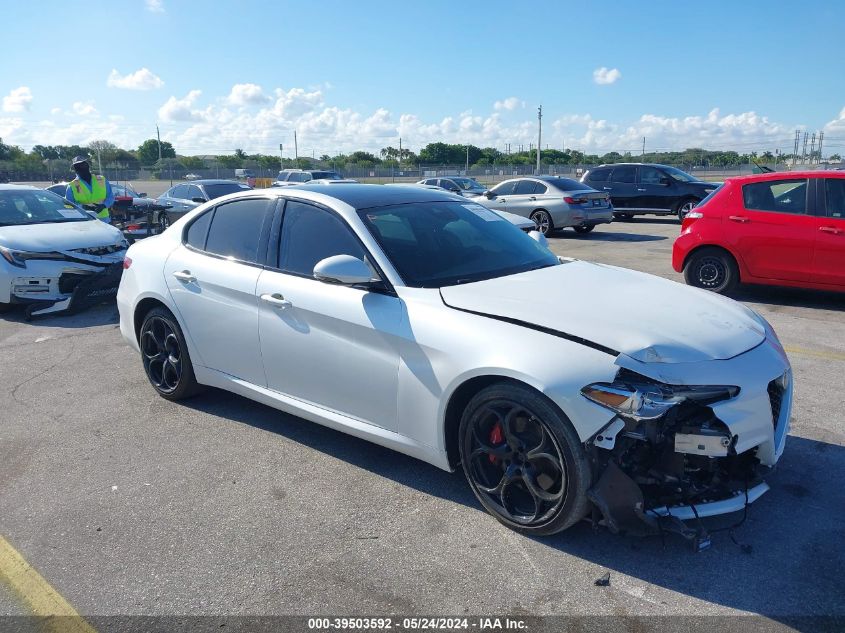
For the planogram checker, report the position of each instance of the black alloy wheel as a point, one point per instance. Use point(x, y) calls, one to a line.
point(712, 269)
point(684, 207)
point(523, 460)
point(543, 221)
point(165, 356)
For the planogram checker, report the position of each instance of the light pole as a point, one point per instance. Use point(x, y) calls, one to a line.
point(466, 172)
point(539, 135)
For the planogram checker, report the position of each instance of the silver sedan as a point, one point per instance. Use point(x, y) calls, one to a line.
point(552, 202)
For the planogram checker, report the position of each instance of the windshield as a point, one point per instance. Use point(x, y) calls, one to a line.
point(468, 183)
point(25, 206)
point(124, 190)
point(435, 244)
point(679, 175)
point(325, 175)
point(224, 188)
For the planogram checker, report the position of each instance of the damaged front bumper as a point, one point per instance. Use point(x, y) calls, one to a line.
point(65, 286)
point(695, 458)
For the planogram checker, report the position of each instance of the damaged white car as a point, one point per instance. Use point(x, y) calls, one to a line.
point(54, 256)
point(565, 389)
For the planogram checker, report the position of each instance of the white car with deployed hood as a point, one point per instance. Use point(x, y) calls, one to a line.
point(429, 324)
point(54, 256)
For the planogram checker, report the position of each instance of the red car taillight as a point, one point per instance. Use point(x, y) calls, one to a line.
point(569, 200)
point(127, 262)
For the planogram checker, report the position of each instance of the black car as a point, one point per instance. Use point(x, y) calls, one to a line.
point(640, 188)
point(189, 195)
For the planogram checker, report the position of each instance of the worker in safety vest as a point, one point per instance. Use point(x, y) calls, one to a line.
point(87, 189)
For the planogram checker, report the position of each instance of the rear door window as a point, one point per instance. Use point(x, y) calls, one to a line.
point(624, 174)
point(236, 229)
point(779, 196)
point(834, 191)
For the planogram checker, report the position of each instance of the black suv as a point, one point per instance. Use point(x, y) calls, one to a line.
point(639, 188)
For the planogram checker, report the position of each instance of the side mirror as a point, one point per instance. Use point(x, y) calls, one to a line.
point(142, 195)
point(489, 194)
point(539, 238)
point(343, 269)
point(199, 200)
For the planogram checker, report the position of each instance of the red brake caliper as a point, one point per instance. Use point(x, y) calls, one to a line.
point(496, 438)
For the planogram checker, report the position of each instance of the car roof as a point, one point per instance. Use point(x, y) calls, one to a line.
point(637, 164)
point(210, 181)
point(781, 175)
point(364, 196)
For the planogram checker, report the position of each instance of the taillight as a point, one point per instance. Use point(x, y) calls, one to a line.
point(132, 227)
point(127, 262)
point(569, 200)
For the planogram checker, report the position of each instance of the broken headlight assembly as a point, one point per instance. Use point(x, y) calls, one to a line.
point(19, 258)
point(636, 398)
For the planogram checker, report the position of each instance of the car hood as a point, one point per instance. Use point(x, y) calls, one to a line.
point(648, 318)
point(60, 236)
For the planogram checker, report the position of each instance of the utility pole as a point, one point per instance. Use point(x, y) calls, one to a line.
point(812, 147)
point(539, 135)
point(795, 150)
point(821, 138)
point(158, 136)
point(466, 173)
point(804, 151)
point(643, 146)
point(400, 152)
point(281, 157)
point(295, 146)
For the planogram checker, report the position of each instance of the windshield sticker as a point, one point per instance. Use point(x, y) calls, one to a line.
point(482, 212)
point(70, 213)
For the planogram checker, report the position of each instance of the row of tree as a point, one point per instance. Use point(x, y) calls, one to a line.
point(53, 161)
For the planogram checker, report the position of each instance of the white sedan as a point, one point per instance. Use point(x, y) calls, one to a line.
point(54, 256)
point(430, 325)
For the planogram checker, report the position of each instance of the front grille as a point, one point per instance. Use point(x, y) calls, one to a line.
point(69, 281)
point(101, 250)
point(776, 391)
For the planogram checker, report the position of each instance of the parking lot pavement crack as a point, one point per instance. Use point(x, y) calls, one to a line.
point(17, 387)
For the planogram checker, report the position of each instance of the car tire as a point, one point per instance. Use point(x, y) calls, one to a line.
point(584, 229)
point(523, 460)
point(622, 216)
point(165, 356)
point(712, 268)
point(543, 221)
point(685, 206)
point(163, 222)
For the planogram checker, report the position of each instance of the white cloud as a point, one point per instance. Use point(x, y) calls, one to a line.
point(55, 111)
point(84, 108)
point(142, 79)
point(154, 6)
point(247, 94)
point(180, 109)
point(511, 103)
point(837, 124)
point(18, 100)
point(604, 76)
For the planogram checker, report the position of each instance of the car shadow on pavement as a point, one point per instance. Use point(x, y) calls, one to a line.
point(607, 236)
point(796, 297)
point(650, 219)
point(104, 314)
point(784, 560)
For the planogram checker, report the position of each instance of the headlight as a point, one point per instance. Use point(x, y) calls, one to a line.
point(637, 398)
point(19, 258)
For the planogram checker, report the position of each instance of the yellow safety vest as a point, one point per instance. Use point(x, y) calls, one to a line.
point(96, 195)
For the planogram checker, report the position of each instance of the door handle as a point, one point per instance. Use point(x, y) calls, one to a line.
point(276, 300)
point(185, 275)
point(739, 218)
point(830, 229)
point(608, 188)
point(502, 200)
point(532, 198)
point(640, 189)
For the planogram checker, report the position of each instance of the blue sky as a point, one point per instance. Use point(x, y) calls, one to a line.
point(347, 75)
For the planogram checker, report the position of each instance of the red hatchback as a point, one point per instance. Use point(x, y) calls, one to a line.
point(782, 228)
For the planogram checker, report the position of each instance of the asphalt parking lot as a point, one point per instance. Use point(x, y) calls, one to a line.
point(128, 504)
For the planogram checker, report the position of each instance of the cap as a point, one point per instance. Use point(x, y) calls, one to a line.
point(79, 159)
